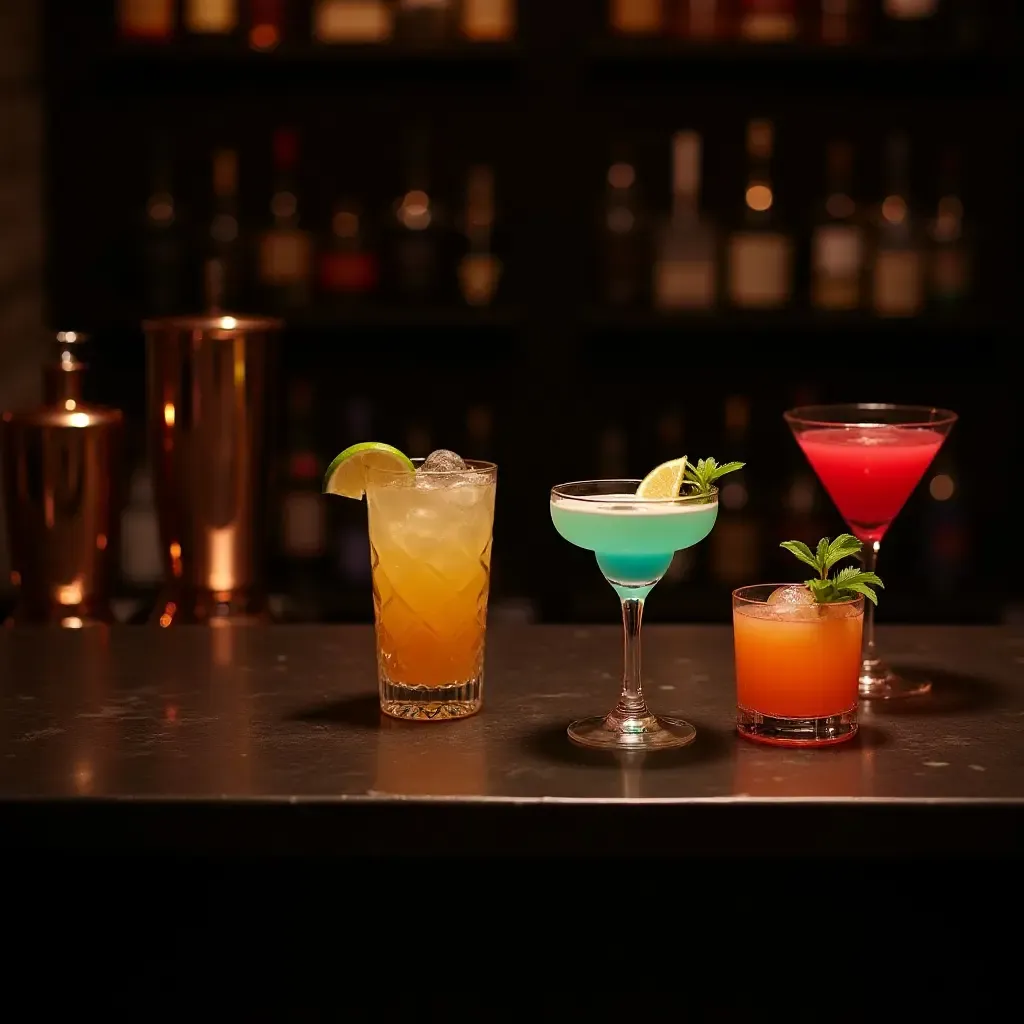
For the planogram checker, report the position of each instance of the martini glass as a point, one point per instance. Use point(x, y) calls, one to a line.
point(870, 458)
point(634, 540)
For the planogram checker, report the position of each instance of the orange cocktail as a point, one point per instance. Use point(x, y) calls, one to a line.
point(797, 667)
point(430, 549)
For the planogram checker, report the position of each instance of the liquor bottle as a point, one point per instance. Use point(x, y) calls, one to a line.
point(424, 22)
point(699, 21)
point(840, 22)
point(768, 21)
point(898, 274)
point(150, 21)
point(636, 17)
point(303, 509)
point(210, 17)
point(353, 21)
point(416, 243)
point(479, 269)
point(285, 252)
point(735, 551)
point(222, 271)
point(949, 276)
point(623, 238)
point(686, 266)
point(164, 249)
point(266, 24)
point(837, 242)
point(760, 252)
point(487, 21)
point(349, 268)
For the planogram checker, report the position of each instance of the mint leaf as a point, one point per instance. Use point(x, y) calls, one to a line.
point(842, 547)
point(802, 551)
point(728, 467)
point(705, 472)
point(846, 583)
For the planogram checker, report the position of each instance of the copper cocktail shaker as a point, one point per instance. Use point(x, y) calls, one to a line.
point(61, 478)
point(208, 409)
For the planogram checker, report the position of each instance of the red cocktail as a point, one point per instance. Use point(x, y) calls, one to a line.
point(870, 458)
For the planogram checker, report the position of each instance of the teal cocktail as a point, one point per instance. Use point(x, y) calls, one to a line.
point(634, 540)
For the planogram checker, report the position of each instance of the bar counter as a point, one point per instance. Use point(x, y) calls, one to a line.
point(270, 740)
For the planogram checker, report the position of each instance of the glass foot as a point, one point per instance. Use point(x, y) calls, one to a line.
point(879, 682)
point(796, 732)
point(647, 733)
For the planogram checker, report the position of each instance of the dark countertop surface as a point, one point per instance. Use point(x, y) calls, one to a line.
point(271, 739)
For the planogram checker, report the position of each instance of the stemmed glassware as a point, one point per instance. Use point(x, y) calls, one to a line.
point(634, 540)
point(869, 458)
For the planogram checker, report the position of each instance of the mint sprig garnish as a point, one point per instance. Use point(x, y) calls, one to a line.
point(706, 472)
point(846, 582)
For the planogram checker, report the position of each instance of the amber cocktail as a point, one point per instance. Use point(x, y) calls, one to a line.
point(430, 551)
point(797, 667)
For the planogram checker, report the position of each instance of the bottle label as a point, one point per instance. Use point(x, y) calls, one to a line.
point(147, 19)
point(478, 278)
point(909, 10)
point(348, 272)
point(838, 250)
point(768, 21)
point(636, 17)
point(487, 20)
point(760, 270)
point(684, 284)
point(211, 17)
point(898, 286)
point(284, 257)
point(304, 524)
point(353, 21)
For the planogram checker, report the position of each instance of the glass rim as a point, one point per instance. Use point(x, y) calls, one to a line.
point(818, 415)
point(738, 593)
point(557, 493)
point(474, 468)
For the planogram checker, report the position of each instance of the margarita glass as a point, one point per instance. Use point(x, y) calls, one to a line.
point(634, 540)
point(870, 458)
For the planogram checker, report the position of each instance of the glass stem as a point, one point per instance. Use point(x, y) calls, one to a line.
point(631, 701)
point(869, 559)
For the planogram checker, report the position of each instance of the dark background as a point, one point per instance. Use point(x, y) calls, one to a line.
point(548, 380)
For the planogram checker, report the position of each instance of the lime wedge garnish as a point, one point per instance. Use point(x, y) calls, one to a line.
point(346, 475)
point(664, 481)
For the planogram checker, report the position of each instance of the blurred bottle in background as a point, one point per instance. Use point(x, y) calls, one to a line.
point(898, 273)
point(686, 265)
point(286, 250)
point(479, 268)
point(760, 249)
point(224, 267)
point(837, 243)
point(626, 256)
